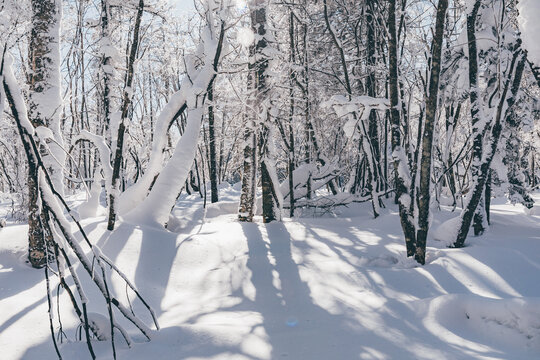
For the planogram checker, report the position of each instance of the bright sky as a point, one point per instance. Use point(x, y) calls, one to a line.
point(187, 5)
point(183, 5)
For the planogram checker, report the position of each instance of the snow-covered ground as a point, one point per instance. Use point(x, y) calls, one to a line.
point(313, 288)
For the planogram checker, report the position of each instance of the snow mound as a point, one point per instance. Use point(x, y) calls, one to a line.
point(90, 208)
point(382, 261)
point(447, 231)
point(100, 326)
point(222, 208)
point(465, 318)
point(535, 210)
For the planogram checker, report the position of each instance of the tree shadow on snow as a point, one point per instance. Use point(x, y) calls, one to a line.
point(292, 323)
point(296, 327)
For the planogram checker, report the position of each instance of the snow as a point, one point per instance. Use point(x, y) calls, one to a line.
point(100, 326)
point(104, 155)
point(447, 232)
point(245, 36)
point(46, 102)
point(91, 207)
point(156, 206)
point(529, 13)
point(189, 95)
point(15, 91)
point(312, 288)
point(136, 193)
point(343, 106)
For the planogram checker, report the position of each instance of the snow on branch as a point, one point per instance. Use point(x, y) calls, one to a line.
point(155, 207)
point(343, 106)
point(529, 14)
point(61, 236)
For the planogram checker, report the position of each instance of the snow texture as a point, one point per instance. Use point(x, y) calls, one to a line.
point(189, 95)
point(46, 104)
point(156, 206)
point(90, 208)
point(312, 288)
point(447, 231)
point(529, 24)
point(15, 91)
point(100, 326)
point(245, 36)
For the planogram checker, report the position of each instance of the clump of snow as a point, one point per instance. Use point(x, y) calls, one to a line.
point(529, 24)
point(466, 320)
point(222, 208)
point(343, 106)
point(535, 210)
point(447, 231)
point(91, 206)
point(44, 133)
point(16, 93)
point(100, 326)
point(245, 36)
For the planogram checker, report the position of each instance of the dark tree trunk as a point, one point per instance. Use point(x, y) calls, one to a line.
point(36, 235)
point(402, 191)
point(105, 67)
point(126, 102)
point(292, 77)
point(478, 216)
point(268, 206)
point(424, 193)
point(487, 199)
point(533, 170)
point(483, 167)
point(451, 120)
point(374, 171)
point(212, 148)
point(512, 159)
point(371, 84)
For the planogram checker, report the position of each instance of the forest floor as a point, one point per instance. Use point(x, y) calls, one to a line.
point(336, 286)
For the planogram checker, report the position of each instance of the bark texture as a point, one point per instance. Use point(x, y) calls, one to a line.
point(424, 193)
point(44, 108)
point(399, 160)
point(484, 150)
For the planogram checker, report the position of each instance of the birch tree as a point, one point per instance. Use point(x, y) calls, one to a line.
point(44, 110)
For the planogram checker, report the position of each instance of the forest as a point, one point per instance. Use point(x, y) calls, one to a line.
point(260, 179)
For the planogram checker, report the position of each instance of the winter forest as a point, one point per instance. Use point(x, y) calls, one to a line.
point(269, 179)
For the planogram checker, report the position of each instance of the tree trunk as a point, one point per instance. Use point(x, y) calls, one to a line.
point(292, 77)
point(247, 197)
point(126, 102)
point(483, 165)
point(371, 86)
point(44, 109)
point(106, 70)
point(262, 103)
point(212, 148)
point(399, 158)
point(424, 193)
